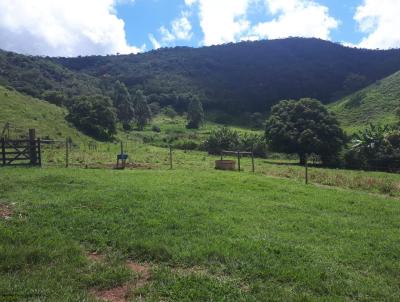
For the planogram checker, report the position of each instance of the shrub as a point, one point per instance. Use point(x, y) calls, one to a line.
point(186, 145)
point(375, 148)
point(254, 143)
point(228, 139)
point(170, 112)
point(222, 139)
point(156, 129)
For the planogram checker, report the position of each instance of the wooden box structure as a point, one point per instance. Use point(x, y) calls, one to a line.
point(227, 165)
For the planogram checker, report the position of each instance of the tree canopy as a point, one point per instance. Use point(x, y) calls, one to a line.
point(142, 110)
point(195, 114)
point(94, 115)
point(123, 103)
point(304, 127)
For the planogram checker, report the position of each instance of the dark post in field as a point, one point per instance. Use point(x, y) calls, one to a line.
point(170, 157)
point(66, 153)
point(3, 150)
point(252, 161)
point(238, 156)
point(306, 167)
point(32, 147)
point(39, 152)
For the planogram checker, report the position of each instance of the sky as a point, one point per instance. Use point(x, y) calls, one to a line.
point(100, 27)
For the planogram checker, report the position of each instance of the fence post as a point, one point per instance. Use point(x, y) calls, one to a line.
point(3, 150)
point(66, 153)
point(39, 149)
point(32, 147)
point(306, 166)
point(252, 161)
point(238, 156)
point(170, 157)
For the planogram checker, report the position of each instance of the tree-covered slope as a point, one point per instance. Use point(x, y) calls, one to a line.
point(374, 104)
point(24, 112)
point(40, 77)
point(248, 76)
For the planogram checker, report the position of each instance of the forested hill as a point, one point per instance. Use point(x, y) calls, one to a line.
point(42, 78)
point(247, 76)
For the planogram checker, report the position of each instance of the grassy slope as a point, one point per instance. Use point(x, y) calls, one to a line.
point(24, 112)
point(175, 128)
point(374, 104)
point(255, 238)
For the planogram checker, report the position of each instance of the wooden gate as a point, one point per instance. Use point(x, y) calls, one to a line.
point(21, 152)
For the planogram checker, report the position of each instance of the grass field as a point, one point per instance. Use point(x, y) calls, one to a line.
point(374, 104)
point(206, 236)
point(24, 112)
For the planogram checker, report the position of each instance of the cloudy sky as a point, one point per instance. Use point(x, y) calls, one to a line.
point(84, 27)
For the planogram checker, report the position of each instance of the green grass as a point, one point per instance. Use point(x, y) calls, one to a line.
point(174, 132)
point(24, 112)
point(374, 104)
point(255, 238)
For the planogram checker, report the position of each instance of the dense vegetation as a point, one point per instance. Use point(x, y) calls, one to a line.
point(375, 148)
point(245, 77)
point(304, 127)
point(249, 76)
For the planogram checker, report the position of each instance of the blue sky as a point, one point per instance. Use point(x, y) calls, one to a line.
point(87, 27)
point(143, 17)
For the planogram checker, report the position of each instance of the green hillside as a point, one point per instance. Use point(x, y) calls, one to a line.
point(374, 104)
point(24, 112)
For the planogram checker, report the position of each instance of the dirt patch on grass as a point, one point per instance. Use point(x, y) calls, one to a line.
point(143, 270)
point(5, 211)
point(95, 257)
point(124, 292)
point(117, 294)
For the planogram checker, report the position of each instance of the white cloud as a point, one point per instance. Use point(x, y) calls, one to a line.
point(227, 20)
point(154, 41)
point(180, 29)
point(62, 27)
point(222, 21)
point(380, 20)
point(297, 18)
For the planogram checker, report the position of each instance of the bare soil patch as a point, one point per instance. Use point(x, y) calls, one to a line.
point(95, 257)
point(5, 211)
point(124, 292)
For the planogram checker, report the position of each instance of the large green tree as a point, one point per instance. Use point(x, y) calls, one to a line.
point(304, 127)
point(142, 110)
point(123, 103)
point(195, 114)
point(94, 115)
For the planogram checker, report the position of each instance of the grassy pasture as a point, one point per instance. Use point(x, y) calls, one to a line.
point(208, 236)
point(375, 104)
point(153, 157)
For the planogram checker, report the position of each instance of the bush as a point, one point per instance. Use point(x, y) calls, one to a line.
point(254, 143)
point(375, 148)
point(186, 145)
point(155, 129)
point(170, 112)
point(127, 126)
point(222, 139)
point(94, 115)
point(228, 139)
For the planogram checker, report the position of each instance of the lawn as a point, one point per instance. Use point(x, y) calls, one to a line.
point(206, 236)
